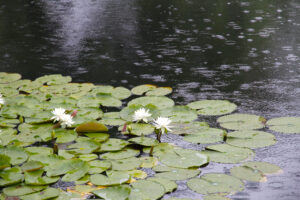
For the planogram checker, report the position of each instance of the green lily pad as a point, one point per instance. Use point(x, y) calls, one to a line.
point(126, 164)
point(91, 127)
point(174, 198)
point(141, 89)
point(159, 91)
point(224, 153)
point(144, 141)
point(206, 136)
point(98, 137)
point(10, 176)
point(9, 77)
point(118, 92)
point(19, 190)
point(88, 157)
point(65, 136)
point(45, 194)
point(99, 166)
point(179, 114)
point(148, 162)
point(138, 129)
point(121, 192)
point(148, 189)
point(36, 178)
point(184, 158)
point(176, 174)
point(213, 107)
point(248, 174)
point(124, 153)
point(116, 178)
point(169, 186)
point(17, 155)
point(80, 169)
point(112, 122)
point(4, 161)
point(250, 139)
point(32, 166)
point(84, 145)
point(284, 124)
point(108, 100)
point(264, 167)
point(214, 183)
point(38, 150)
point(53, 79)
point(242, 122)
point(158, 101)
point(114, 144)
point(189, 127)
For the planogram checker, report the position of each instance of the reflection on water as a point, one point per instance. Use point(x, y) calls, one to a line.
point(244, 51)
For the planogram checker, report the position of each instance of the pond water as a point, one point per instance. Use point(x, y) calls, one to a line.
point(246, 51)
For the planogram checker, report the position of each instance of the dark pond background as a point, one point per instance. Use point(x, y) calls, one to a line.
point(246, 51)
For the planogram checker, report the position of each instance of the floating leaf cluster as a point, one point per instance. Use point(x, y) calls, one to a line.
point(106, 153)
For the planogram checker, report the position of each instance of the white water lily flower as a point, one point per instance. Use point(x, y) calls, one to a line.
point(163, 123)
point(58, 114)
point(141, 114)
point(66, 120)
point(2, 101)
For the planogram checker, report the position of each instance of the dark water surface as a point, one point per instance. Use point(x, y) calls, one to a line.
point(246, 51)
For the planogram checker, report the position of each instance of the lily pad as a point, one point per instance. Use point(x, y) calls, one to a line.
point(248, 174)
point(242, 122)
point(10, 176)
point(116, 178)
point(32, 166)
point(126, 164)
point(9, 77)
point(124, 153)
point(65, 136)
point(114, 144)
point(121, 192)
point(99, 166)
point(159, 91)
point(138, 129)
point(264, 167)
point(141, 89)
point(144, 141)
point(224, 153)
point(285, 124)
point(213, 107)
point(158, 101)
point(176, 174)
point(189, 127)
point(45, 194)
point(148, 162)
point(84, 146)
point(17, 155)
point(169, 186)
point(250, 139)
point(179, 114)
point(91, 127)
point(148, 189)
point(98, 137)
point(4, 161)
point(53, 79)
point(206, 136)
point(184, 158)
point(19, 190)
point(36, 178)
point(214, 183)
